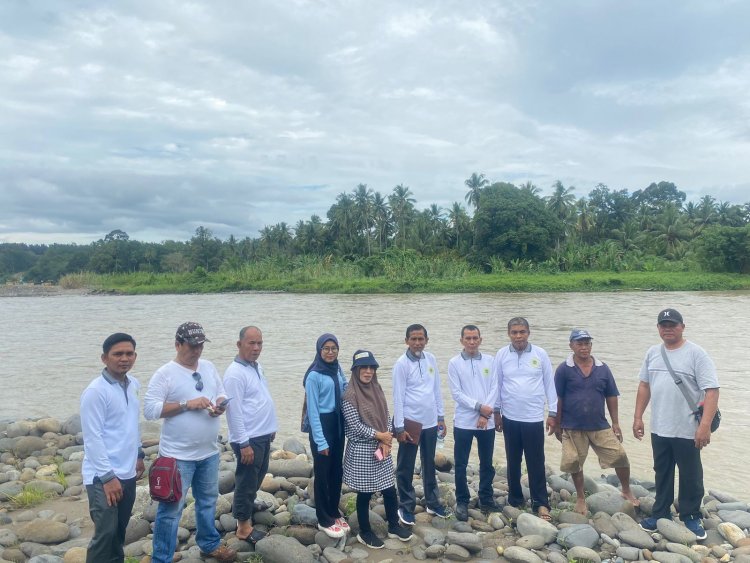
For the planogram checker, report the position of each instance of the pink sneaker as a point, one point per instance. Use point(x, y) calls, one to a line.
point(343, 524)
point(333, 531)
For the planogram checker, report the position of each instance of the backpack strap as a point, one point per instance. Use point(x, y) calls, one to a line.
point(678, 382)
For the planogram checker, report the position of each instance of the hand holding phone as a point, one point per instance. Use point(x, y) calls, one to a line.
point(379, 454)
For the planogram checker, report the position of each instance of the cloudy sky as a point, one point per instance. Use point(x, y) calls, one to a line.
point(157, 117)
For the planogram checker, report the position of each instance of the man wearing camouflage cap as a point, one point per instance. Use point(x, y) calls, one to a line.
point(188, 393)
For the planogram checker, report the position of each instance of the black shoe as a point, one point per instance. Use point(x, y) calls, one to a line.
point(370, 540)
point(487, 507)
point(399, 533)
point(462, 512)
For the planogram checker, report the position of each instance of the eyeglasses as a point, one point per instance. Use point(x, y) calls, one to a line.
point(198, 381)
point(329, 350)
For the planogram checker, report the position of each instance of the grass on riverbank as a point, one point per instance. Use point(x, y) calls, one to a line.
point(337, 279)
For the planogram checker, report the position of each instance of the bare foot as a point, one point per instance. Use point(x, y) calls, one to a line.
point(244, 529)
point(581, 507)
point(628, 496)
point(544, 514)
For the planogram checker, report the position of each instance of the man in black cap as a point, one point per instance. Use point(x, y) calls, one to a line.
point(584, 385)
point(676, 435)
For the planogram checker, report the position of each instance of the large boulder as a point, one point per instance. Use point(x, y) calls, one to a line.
point(27, 445)
point(578, 535)
point(72, 425)
point(281, 549)
point(290, 468)
point(44, 531)
point(48, 425)
point(529, 524)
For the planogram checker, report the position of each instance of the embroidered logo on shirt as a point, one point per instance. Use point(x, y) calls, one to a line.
point(431, 370)
point(486, 372)
point(535, 363)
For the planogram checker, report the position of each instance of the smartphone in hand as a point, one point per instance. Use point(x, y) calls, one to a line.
point(379, 454)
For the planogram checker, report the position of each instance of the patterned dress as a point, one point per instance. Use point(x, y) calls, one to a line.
point(362, 472)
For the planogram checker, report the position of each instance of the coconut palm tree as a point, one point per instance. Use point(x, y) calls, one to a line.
point(402, 208)
point(475, 183)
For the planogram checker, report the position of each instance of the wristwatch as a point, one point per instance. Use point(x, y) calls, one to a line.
point(183, 405)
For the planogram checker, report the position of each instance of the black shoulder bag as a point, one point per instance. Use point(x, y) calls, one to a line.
point(697, 410)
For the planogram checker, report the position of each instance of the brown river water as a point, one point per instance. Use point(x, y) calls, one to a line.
point(51, 347)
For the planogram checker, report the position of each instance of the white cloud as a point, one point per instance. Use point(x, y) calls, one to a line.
point(287, 105)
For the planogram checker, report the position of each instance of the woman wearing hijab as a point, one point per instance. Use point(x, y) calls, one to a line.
point(324, 385)
point(368, 466)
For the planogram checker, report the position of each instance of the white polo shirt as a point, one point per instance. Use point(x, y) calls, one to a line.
point(251, 412)
point(472, 385)
point(416, 391)
point(525, 381)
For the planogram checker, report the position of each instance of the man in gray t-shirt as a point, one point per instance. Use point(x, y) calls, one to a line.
point(676, 436)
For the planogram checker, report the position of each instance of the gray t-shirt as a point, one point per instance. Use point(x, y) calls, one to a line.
point(670, 414)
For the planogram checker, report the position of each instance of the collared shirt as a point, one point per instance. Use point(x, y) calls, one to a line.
point(109, 421)
point(251, 412)
point(472, 385)
point(416, 391)
point(192, 435)
point(525, 382)
point(584, 396)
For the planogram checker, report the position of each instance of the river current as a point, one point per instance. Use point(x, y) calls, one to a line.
point(51, 347)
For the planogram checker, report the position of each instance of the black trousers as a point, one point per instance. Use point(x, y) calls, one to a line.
point(681, 452)
point(329, 470)
point(405, 461)
point(391, 509)
point(247, 478)
point(110, 522)
point(525, 439)
point(462, 439)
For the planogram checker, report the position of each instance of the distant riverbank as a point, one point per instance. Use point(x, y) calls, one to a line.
point(334, 281)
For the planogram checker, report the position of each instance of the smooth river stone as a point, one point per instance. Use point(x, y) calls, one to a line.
point(578, 535)
point(675, 532)
point(581, 553)
point(528, 524)
point(622, 522)
point(731, 532)
point(516, 554)
point(739, 517)
point(44, 531)
point(281, 549)
point(669, 557)
point(637, 538)
point(682, 549)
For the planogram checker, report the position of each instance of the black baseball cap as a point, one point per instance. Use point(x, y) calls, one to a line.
point(669, 316)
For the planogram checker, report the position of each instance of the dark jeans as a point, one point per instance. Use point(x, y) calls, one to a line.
point(247, 478)
point(407, 457)
point(328, 470)
point(682, 452)
point(462, 439)
point(525, 439)
point(110, 522)
point(391, 509)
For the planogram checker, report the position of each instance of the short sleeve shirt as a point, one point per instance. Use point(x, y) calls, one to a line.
point(584, 398)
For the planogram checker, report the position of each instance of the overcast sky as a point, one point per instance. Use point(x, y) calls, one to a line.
point(156, 117)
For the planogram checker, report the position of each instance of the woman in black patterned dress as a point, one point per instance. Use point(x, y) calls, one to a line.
point(368, 467)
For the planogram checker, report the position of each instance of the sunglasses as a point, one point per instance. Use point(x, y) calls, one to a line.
point(198, 381)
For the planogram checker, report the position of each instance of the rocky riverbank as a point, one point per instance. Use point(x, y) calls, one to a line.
point(44, 457)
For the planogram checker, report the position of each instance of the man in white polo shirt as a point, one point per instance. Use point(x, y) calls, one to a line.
point(417, 401)
point(112, 461)
point(525, 382)
point(188, 394)
point(251, 417)
point(475, 390)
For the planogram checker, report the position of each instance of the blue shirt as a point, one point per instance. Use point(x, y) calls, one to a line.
point(583, 397)
point(321, 399)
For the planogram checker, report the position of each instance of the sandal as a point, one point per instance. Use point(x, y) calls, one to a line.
point(544, 514)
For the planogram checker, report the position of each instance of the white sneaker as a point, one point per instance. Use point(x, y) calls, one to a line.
point(333, 531)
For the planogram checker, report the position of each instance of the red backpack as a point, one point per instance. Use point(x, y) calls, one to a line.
point(164, 481)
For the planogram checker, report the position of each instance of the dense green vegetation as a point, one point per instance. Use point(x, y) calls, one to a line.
point(372, 242)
